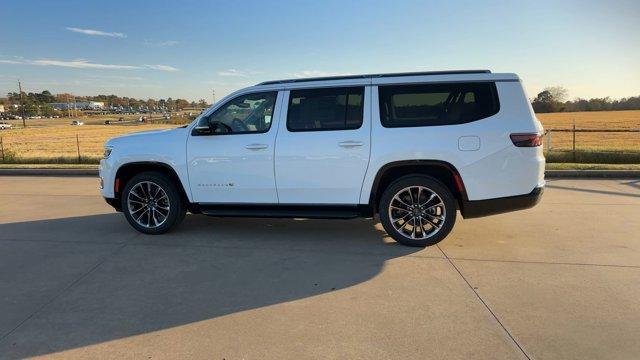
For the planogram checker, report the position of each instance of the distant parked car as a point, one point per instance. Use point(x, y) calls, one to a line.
point(4, 126)
point(107, 122)
point(77, 123)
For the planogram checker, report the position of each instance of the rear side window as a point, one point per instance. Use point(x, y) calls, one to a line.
point(437, 104)
point(325, 109)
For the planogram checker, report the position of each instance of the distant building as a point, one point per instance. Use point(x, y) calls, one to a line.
point(1, 108)
point(80, 105)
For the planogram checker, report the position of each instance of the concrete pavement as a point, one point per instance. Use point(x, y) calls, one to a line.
point(561, 280)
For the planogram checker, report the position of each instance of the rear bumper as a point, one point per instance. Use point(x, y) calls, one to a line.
point(114, 202)
point(479, 208)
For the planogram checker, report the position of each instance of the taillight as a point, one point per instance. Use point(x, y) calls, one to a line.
point(526, 140)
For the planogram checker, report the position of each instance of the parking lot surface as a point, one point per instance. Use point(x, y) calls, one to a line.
point(559, 281)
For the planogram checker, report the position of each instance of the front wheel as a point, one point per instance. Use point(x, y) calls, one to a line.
point(152, 204)
point(417, 211)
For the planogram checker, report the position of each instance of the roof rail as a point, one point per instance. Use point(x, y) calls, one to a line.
point(366, 76)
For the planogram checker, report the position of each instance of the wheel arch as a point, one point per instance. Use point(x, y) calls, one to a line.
point(440, 170)
point(128, 170)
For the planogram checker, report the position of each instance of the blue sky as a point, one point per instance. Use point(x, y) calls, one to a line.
point(187, 48)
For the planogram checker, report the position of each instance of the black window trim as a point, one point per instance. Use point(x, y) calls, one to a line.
point(275, 103)
point(494, 93)
point(364, 89)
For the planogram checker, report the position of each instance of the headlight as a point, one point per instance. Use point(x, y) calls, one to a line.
point(107, 152)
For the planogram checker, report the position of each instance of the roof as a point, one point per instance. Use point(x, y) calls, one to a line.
point(346, 77)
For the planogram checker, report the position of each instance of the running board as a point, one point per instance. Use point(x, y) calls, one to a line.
point(283, 211)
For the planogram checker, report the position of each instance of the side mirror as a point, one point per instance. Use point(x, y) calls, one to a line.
point(202, 130)
point(211, 128)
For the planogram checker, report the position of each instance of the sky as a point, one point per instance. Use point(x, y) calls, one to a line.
point(187, 49)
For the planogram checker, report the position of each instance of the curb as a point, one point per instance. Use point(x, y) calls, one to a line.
point(592, 174)
point(49, 172)
point(549, 174)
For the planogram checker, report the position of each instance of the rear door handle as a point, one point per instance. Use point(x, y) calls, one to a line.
point(350, 143)
point(256, 146)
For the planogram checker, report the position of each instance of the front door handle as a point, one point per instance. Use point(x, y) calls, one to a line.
point(350, 143)
point(256, 146)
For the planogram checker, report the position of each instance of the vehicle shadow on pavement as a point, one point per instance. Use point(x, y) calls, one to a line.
point(74, 282)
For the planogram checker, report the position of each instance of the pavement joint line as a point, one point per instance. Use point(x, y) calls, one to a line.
point(485, 304)
point(64, 290)
point(547, 263)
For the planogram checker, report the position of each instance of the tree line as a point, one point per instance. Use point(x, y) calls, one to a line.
point(553, 99)
point(38, 103)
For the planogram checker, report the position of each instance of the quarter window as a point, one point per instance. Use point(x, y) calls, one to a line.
point(325, 109)
point(436, 104)
point(244, 114)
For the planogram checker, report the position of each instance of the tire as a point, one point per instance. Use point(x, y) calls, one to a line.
point(156, 214)
point(398, 203)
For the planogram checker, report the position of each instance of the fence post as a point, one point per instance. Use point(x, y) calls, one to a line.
point(78, 147)
point(549, 132)
point(574, 140)
point(2, 148)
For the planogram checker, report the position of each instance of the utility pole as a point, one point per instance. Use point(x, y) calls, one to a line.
point(213, 94)
point(68, 106)
point(24, 123)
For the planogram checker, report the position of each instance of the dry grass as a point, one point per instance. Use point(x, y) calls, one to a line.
point(59, 141)
point(594, 120)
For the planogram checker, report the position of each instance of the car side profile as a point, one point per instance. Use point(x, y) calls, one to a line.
point(411, 148)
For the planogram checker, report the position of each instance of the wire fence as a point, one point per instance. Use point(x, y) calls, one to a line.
point(86, 145)
point(575, 139)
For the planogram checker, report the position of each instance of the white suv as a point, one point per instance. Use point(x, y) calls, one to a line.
point(413, 148)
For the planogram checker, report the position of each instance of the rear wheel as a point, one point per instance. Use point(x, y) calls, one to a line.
point(152, 203)
point(417, 211)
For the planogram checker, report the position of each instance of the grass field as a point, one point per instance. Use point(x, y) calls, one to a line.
point(54, 140)
point(57, 143)
point(594, 120)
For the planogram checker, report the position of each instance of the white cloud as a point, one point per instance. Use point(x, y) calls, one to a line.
point(232, 72)
point(80, 64)
point(161, 43)
point(85, 64)
point(97, 32)
point(315, 73)
point(161, 67)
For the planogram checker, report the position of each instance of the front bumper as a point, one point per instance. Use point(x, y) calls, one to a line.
point(479, 208)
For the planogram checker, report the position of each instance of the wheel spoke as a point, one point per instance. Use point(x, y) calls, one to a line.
point(402, 218)
point(138, 209)
point(432, 206)
point(433, 196)
point(153, 215)
point(413, 231)
point(141, 214)
point(397, 198)
point(397, 208)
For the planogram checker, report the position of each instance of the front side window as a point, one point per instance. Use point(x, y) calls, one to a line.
point(251, 113)
point(325, 109)
point(436, 104)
